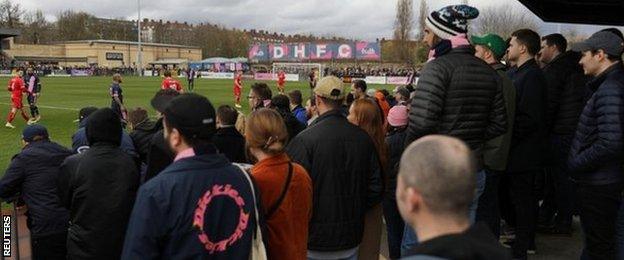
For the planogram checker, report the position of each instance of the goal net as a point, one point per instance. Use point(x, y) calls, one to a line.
point(301, 69)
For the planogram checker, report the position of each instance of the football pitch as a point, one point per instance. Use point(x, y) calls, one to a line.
point(62, 97)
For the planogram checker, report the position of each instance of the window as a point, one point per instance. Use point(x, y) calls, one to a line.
point(113, 47)
point(166, 50)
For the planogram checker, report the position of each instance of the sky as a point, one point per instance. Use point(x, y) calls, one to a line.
point(357, 19)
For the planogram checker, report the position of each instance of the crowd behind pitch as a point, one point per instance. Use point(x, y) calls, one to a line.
point(479, 154)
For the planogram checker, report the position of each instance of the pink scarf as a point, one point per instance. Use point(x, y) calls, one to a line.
point(456, 41)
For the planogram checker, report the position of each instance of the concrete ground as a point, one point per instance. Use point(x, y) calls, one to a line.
point(548, 247)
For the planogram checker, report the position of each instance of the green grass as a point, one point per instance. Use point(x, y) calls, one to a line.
point(62, 98)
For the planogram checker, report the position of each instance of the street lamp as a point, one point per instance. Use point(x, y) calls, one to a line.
point(139, 51)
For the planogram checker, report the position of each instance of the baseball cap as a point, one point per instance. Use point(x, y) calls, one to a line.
point(494, 42)
point(193, 115)
point(162, 99)
point(31, 131)
point(330, 87)
point(85, 112)
point(604, 40)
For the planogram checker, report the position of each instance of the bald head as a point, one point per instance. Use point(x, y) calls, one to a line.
point(443, 170)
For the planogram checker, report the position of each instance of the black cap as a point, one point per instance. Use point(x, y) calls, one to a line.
point(31, 131)
point(85, 112)
point(162, 99)
point(607, 41)
point(193, 115)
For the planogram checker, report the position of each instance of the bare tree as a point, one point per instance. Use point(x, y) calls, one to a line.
point(423, 12)
point(37, 29)
point(503, 20)
point(403, 30)
point(10, 14)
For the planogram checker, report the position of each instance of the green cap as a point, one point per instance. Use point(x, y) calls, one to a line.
point(494, 42)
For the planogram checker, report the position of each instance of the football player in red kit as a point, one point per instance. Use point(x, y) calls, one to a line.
point(16, 86)
point(171, 83)
point(281, 81)
point(238, 88)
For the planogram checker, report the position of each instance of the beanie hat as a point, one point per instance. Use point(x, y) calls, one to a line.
point(31, 131)
point(103, 126)
point(451, 20)
point(398, 116)
point(192, 115)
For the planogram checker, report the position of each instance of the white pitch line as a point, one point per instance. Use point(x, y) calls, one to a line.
point(43, 106)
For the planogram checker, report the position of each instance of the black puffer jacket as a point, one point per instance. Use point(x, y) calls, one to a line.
point(529, 134)
point(461, 96)
point(566, 89)
point(346, 176)
point(596, 154)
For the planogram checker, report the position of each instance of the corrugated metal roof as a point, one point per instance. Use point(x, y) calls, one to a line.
point(132, 43)
point(603, 12)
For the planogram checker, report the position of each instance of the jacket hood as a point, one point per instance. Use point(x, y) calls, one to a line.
point(103, 126)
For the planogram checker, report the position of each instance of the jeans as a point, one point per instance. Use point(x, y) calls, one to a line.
point(599, 205)
point(488, 210)
point(409, 235)
point(394, 225)
point(49, 246)
point(521, 190)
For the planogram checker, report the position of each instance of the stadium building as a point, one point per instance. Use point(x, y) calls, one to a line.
point(102, 53)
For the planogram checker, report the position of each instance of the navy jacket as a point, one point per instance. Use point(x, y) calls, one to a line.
point(34, 173)
point(193, 202)
point(530, 125)
point(596, 153)
point(80, 143)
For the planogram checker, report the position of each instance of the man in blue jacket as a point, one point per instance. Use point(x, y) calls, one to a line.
point(596, 155)
point(201, 206)
point(79, 139)
point(34, 173)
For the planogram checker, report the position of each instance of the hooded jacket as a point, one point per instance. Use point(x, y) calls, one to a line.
point(596, 154)
point(230, 143)
point(98, 187)
point(141, 137)
point(33, 174)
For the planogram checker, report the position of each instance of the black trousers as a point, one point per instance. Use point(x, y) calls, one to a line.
point(522, 193)
point(488, 211)
point(598, 206)
point(394, 225)
point(49, 247)
point(559, 195)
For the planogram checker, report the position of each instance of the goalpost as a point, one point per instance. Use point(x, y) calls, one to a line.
point(301, 69)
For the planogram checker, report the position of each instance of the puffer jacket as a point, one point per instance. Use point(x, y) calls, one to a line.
point(346, 177)
point(461, 96)
point(566, 89)
point(596, 153)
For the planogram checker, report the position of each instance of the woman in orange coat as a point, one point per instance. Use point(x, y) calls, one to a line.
point(285, 187)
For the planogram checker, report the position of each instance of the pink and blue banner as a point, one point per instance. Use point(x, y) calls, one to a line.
point(314, 51)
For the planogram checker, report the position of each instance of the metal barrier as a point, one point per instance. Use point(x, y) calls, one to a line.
point(14, 225)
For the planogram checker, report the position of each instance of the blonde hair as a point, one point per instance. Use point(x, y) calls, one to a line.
point(117, 77)
point(266, 130)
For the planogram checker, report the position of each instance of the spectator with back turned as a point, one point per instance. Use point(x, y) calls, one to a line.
point(227, 139)
point(159, 155)
point(33, 174)
point(98, 187)
point(345, 171)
